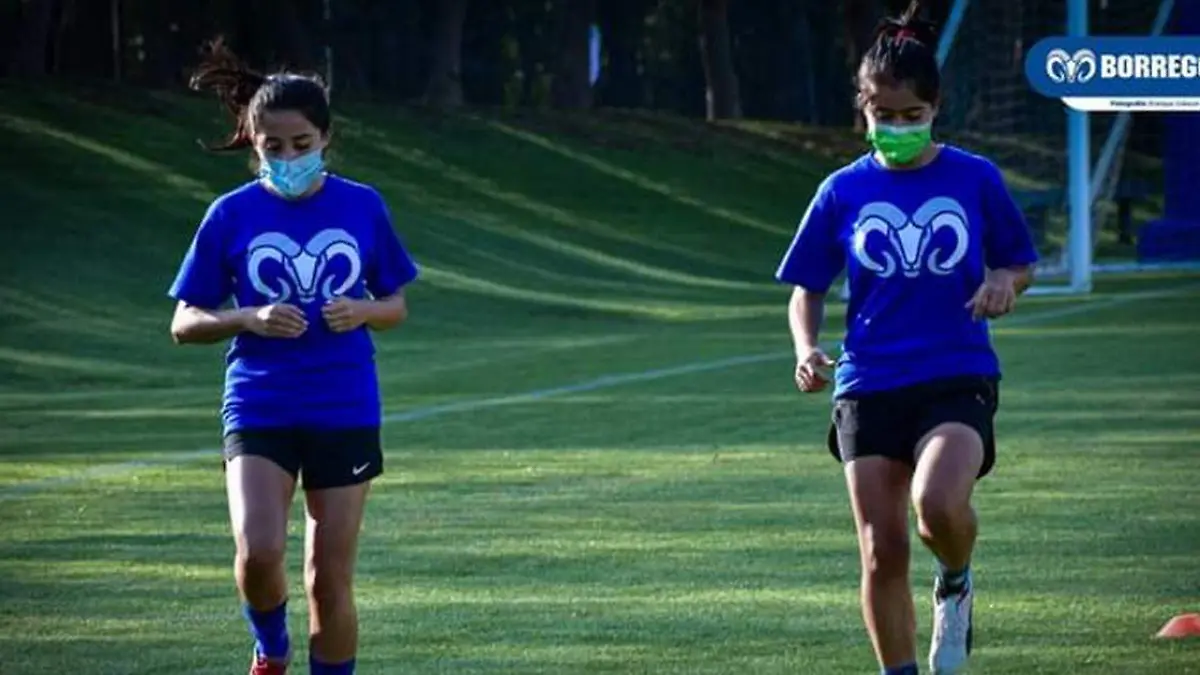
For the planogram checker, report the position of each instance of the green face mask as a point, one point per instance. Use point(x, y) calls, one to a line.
point(901, 144)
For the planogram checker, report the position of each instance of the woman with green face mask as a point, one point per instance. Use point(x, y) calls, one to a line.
point(932, 245)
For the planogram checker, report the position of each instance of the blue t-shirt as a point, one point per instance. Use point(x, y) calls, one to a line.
point(915, 245)
point(260, 249)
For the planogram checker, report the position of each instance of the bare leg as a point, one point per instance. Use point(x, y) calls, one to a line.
point(949, 458)
point(879, 490)
point(948, 463)
point(331, 551)
point(259, 493)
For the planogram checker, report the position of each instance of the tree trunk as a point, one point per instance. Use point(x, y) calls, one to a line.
point(295, 44)
point(351, 32)
point(488, 69)
point(33, 41)
point(858, 21)
point(722, 96)
point(445, 69)
point(529, 24)
point(399, 49)
point(623, 24)
point(61, 25)
point(572, 87)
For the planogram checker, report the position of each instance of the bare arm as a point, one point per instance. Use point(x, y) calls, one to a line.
point(806, 312)
point(1021, 276)
point(389, 312)
point(997, 295)
point(193, 325)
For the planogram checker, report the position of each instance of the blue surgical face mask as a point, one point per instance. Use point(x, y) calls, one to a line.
point(293, 177)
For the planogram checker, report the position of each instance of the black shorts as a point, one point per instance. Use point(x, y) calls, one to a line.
point(321, 458)
point(891, 423)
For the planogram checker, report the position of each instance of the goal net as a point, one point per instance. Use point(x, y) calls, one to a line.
point(990, 108)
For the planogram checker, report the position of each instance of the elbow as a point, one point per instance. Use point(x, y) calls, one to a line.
point(391, 319)
point(183, 331)
point(179, 324)
point(400, 317)
point(389, 313)
point(180, 334)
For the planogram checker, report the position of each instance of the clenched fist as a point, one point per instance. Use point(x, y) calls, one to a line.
point(278, 321)
point(344, 314)
point(814, 371)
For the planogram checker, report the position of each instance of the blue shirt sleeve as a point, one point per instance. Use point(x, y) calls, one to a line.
point(391, 266)
point(204, 279)
point(815, 257)
point(1007, 241)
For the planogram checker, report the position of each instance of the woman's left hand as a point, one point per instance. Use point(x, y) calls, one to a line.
point(345, 314)
point(997, 295)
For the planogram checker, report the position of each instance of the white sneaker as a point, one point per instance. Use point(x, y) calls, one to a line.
point(952, 631)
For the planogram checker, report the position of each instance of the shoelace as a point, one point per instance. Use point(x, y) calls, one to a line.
point(952, 621)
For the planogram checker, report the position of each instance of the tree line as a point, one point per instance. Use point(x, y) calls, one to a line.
point(768, 59)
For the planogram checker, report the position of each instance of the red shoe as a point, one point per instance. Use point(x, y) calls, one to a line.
point(263, 666)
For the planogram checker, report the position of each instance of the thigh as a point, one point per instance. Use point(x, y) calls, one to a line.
point(259, 487)
point(874, 425)
point(879, 489)
point(949, 460)
point(335, 458)
point(334, 518)
point(948, 409)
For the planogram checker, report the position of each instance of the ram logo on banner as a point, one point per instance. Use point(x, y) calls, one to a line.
point(1104, 74)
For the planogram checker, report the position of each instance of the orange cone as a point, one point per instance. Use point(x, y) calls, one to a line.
point(1184, 625)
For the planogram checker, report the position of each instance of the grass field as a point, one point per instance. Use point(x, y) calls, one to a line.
point(596, 460)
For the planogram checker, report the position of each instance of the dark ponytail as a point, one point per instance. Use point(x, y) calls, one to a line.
point(247, 93)
point(904, 52)
point(235, 84)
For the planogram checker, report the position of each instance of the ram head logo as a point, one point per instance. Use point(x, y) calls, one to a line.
point(306, 273)
point(1074, 68)
point(908, 240)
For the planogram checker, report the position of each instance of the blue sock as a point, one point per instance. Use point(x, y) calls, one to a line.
point(269, 629)
point(315, 667)
point(951, 581)
point(909, 669)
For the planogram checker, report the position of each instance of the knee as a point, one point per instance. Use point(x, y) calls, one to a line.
point(937, 512)
point(260, 551)
point(329, 583)
point(885, 553)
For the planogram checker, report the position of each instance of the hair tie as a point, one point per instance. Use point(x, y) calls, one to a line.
point(906, 34)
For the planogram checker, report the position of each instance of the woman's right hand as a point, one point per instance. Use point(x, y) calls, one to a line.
point(813, 371)
point(278, 321)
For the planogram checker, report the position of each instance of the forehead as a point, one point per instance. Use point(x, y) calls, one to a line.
point(890, 96)
point(284, 124)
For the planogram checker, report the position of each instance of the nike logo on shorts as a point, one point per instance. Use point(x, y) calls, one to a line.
point(359, 469)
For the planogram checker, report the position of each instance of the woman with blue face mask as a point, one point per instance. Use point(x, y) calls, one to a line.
point(933, 245)
point(312, 265)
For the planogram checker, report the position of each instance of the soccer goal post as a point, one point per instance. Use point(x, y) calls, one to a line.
point(1084, 180)
point(1043, 147)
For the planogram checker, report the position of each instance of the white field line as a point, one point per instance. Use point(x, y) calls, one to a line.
point(603, 382)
